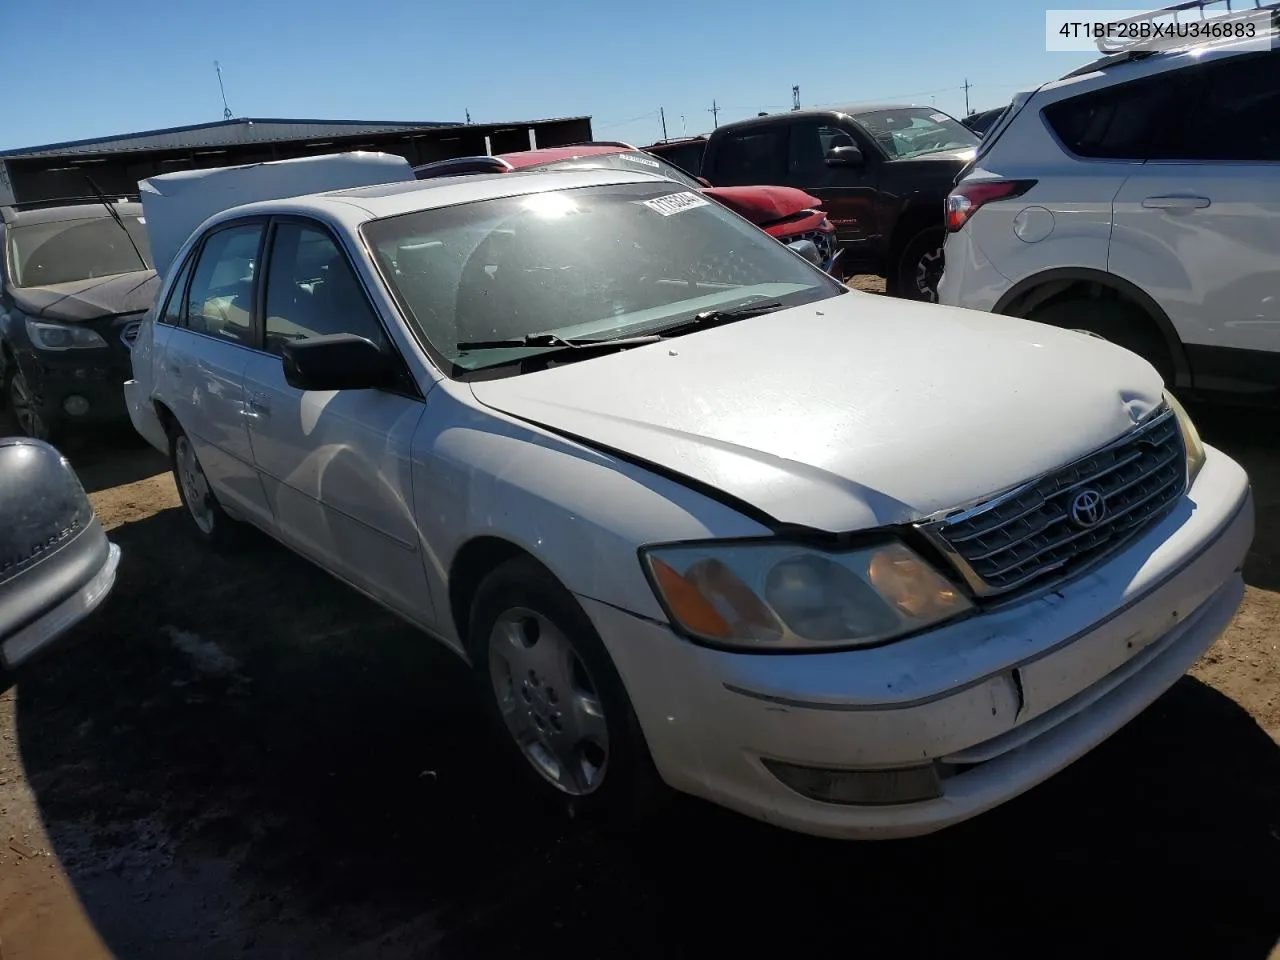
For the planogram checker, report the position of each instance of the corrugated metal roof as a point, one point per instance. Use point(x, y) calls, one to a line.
point(226, 133)
point(248, 130)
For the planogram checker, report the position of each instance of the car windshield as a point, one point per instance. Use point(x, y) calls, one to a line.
point(591, 263)
point(632, 160)
point(61, 251)
point(915, 131)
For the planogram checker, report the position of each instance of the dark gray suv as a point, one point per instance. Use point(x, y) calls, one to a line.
point(77, 278)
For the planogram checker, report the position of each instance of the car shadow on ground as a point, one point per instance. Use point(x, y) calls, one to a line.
point(242, 759)
point(1249, 436)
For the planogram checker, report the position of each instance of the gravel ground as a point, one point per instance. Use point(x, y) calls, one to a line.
point(241, 758)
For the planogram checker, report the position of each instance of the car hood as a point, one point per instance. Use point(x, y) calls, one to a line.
point(764, 205)
point(954, 157)
point(89, 299)
point(850, 413)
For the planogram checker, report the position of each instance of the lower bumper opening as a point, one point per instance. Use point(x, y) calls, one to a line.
point(860, 787)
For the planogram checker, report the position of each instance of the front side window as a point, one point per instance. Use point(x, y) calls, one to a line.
point(220, 299)
point(63, 251)
point(915, 131)
point(312, 290)
point(592, 263)
point(811, 141)
point(633, 160)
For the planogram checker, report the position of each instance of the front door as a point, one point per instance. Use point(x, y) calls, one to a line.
point(336, 465)
point(848, 193)
point(204, 341)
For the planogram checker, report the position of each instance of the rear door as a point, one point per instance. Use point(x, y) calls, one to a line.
point(1198, 225)
point(200, 368)
point(336, 465)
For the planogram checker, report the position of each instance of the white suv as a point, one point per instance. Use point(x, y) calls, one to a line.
point(1080, 208)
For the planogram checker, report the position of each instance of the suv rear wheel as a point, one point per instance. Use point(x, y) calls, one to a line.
point(1120, 323)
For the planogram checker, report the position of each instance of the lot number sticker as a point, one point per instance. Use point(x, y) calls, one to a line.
point(675, 203)
point(632, 158)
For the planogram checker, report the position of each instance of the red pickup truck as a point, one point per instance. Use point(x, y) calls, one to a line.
point(785, 213)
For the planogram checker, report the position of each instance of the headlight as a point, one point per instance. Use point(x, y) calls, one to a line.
point(1190, 438)
point(769, 596)
point(59, 336)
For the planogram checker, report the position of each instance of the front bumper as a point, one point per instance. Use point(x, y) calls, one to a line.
point(1000, 701)
point(95, 374)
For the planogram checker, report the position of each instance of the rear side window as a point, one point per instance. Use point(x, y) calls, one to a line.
point(752, 156)
point(1236, 116)
point(1138, 120)
point(173, 312)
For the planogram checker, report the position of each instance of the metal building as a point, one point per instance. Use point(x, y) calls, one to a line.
point(116, 164)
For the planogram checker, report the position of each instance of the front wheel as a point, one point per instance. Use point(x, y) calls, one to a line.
point(25, 406)
point(555, 697)
point(919, 269)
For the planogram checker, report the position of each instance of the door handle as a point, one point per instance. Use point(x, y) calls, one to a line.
point(257, 405)
point(1176, 203)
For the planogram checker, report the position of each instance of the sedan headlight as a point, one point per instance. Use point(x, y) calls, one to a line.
point(1190, 438)
point(60, 336)
point(767, 596)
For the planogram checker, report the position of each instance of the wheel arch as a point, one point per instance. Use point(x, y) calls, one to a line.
point(1063, 283)
point(475, 560)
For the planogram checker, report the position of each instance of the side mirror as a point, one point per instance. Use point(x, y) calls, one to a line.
point(807, 249)
point(844, 157)
point(703, 180)
point(339, 361)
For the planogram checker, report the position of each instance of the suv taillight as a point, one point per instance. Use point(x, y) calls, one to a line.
point(965, 200)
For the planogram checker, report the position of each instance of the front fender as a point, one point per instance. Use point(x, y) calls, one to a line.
point(581, 513)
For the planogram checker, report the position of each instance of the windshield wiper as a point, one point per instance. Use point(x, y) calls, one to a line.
point(714, 318)
point(554, 341)
point(116, 217)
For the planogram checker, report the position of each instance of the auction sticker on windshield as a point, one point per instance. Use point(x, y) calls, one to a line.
point(675, 203)
point(632, 158)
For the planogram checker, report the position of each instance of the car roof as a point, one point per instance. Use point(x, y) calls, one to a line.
point(355, 205)
point(1133, 63)
point(91, 210)
point(530, 158)
point(848, 109)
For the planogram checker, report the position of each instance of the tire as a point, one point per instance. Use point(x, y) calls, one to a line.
point(1119, 323)
point(538, 662)
point(209, 521)
point(919, 268)
point(20, 400)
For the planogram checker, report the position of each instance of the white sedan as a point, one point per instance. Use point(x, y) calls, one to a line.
point(697, 514)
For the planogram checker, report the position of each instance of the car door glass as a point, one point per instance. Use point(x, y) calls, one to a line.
point(173, 313)
point(312, 290)
point(220, 300)
point(1235, 119)
point(807, 157)
point(752, 156)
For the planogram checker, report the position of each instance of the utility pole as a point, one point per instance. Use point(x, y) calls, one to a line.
point(967, 111)
point(795, 97)
point(663, 114)
point(468, 113)
point(715, 114)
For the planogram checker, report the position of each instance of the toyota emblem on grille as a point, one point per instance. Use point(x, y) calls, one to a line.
point(1088, 508)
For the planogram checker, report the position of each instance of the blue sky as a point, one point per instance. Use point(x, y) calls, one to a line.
point(78, 70)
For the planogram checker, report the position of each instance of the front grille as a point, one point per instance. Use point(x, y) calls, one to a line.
point(825, 241)
point(1069, 518)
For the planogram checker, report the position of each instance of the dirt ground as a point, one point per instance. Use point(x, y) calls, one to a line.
point(242, 758)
